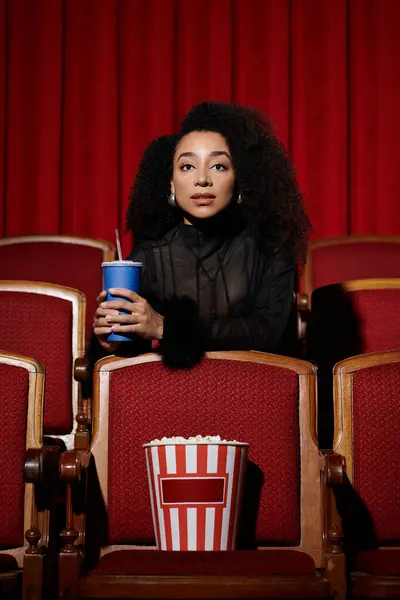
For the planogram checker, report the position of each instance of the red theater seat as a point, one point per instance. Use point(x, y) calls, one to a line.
point(332, 261)
point(61, 259)
point(266, 400)
point(25, 510)
point(47, 322)
point(367, 433)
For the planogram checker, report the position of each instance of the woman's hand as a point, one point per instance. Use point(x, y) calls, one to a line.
point(101, 327)
point(141, 318)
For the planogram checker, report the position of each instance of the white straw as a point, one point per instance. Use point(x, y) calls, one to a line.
point(118, 244)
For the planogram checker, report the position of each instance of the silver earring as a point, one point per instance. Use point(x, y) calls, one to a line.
point(172, 199)
point(239, 200)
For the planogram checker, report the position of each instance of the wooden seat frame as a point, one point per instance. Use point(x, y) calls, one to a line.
point(107, 247)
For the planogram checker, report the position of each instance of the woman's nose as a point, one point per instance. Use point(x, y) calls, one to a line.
point(203, 178)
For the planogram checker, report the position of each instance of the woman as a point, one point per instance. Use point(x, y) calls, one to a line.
point(219, 225)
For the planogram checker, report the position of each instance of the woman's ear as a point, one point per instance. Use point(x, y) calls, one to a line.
point(172, 187)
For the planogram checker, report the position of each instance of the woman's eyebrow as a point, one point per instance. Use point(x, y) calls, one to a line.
point(213, 154)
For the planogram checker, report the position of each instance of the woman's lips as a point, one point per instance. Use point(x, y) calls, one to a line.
point(203, 199)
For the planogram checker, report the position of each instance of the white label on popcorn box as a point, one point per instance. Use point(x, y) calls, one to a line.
point(196, 494)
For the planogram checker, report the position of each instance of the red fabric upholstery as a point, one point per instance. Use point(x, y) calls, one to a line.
point(13, 406)
point(379, 562)
point(71, 265)
point(248, 402)
point(41, 327)
point(378, 313)
point(7, 563)
point(241, 562)
point(360, 260)
point(345, 323)
point(376, 434)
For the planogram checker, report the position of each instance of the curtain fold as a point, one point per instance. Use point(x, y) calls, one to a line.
point(374, 116)
point(3, 111)
point(90, 119)
point(85, 86)
point(33, 120)
point(261, 53)
point(319, 137)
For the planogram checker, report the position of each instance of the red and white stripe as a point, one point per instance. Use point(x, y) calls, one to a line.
point(194, 525)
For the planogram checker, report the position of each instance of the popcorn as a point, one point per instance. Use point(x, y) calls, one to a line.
point(197, 439)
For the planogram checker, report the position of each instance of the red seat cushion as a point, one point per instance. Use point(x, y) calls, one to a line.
point(13, 407)
point(240, 562)
point(379, 562)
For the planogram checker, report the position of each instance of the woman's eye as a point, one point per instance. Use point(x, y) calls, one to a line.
point(219, 167)
point(187, 167)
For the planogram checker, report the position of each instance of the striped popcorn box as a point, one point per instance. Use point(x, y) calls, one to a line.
point(196, 492)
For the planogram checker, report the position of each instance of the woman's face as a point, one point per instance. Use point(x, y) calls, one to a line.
point(203, 176)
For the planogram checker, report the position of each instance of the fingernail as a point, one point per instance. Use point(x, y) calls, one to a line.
point(111, 290)
point(103, 305)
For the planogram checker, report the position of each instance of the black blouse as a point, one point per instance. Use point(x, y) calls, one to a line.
point(242, 297)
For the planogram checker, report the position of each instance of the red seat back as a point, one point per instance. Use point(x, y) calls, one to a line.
point(378, 315)
point(354, 317)
point(14, 382)
point(246, 401)
point(335, 260)
point(367, 392)
point(21, 400)
point(44, 326)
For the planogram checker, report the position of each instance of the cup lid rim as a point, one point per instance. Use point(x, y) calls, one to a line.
point(121, 263)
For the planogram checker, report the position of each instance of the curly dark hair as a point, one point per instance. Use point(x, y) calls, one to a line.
point(272, 206)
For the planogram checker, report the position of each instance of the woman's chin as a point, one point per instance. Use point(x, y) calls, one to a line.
point(204, 211)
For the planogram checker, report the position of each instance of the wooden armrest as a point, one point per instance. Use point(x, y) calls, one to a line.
point(72, 465)
point(41, 464)
point(81, 369)
point(334, 467)
point(333, 471)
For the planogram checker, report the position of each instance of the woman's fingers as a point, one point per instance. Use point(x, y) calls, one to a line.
point(132, 328)
point(132, 296)
point(136, 316)
point(101, 297)
point(101, 322)
point(131, 318)
point(102, 330)
point(118, 305)
point(103, 312)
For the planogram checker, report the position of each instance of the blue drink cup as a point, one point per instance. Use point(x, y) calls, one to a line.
point(121, 274)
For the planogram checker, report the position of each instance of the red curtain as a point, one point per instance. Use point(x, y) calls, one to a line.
point(85, 85)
